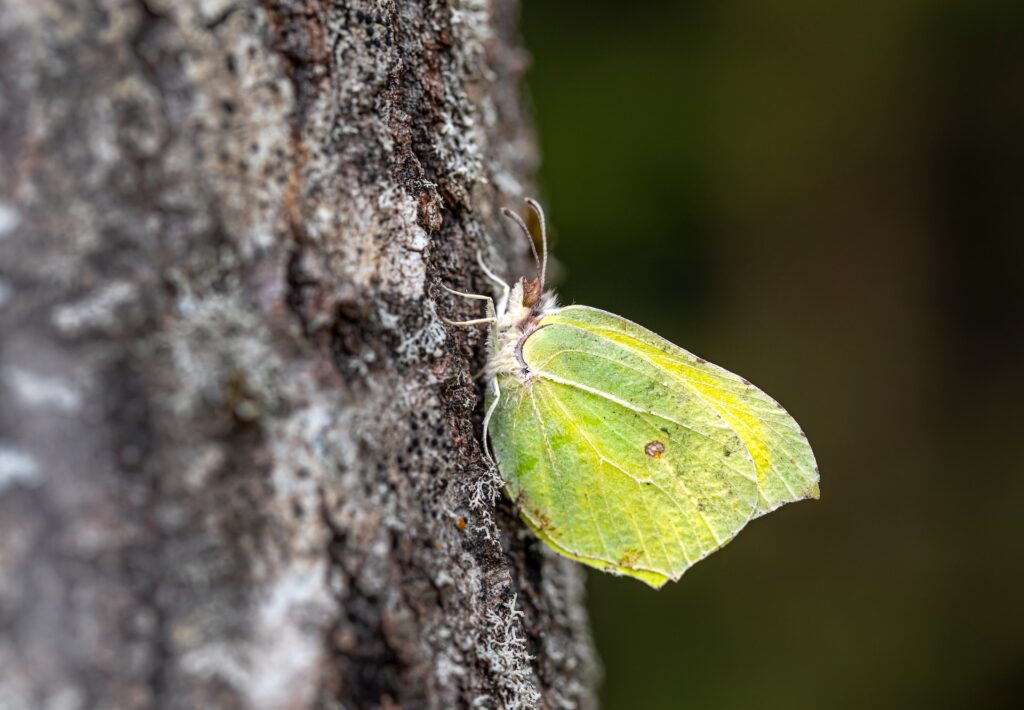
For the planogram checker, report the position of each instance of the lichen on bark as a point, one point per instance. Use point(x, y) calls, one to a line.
point(239, 452)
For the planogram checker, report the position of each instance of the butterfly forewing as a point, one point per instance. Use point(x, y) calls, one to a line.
point(786, 469)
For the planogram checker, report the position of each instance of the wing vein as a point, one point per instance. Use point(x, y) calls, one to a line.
point(689, 494)
point(551, 460)
point(780, 444)
point(605, 460)
point(623, 403)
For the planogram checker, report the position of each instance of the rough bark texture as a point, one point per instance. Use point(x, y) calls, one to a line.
point(239, 452)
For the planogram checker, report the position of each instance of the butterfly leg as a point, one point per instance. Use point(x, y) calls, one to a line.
point(475, 321)
point(491, 317)
point(487, 417)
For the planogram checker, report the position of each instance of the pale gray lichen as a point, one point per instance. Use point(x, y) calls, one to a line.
point(504, 651)
point(427, 340)
point(105, 311)
point(17, 467)
point(9, 220)
point(287, 652)
point(239, 120)
point(216, 661)
point(38, 390)
point(221, 355)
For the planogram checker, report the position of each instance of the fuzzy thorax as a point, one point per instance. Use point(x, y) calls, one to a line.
point(517, 318)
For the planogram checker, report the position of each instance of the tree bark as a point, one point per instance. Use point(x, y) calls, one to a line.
point(240, 457)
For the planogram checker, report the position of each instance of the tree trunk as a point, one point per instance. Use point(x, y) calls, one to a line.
point(240, 457)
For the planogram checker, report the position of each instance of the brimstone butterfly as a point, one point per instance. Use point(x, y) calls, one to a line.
point(620, 449)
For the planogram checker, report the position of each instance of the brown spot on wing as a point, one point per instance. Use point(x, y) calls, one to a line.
point(629, 558)
point(655, 449)
point(541, 520)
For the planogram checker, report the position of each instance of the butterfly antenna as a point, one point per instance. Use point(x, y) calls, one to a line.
point(526, 230)
point(535, 206)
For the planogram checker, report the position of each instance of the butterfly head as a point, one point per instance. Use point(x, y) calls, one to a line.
point(527, 303)
point(520, 308)
point(532, 291)
point(528, 299)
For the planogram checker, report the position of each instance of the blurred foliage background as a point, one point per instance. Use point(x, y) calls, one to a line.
point(828, 198)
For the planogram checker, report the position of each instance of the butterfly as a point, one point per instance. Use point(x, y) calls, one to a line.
point(621, 450)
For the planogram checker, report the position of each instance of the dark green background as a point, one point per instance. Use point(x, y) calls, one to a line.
point(827, 198)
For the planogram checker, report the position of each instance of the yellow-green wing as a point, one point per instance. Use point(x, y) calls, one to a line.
point(786, 469)
point(613, 463)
